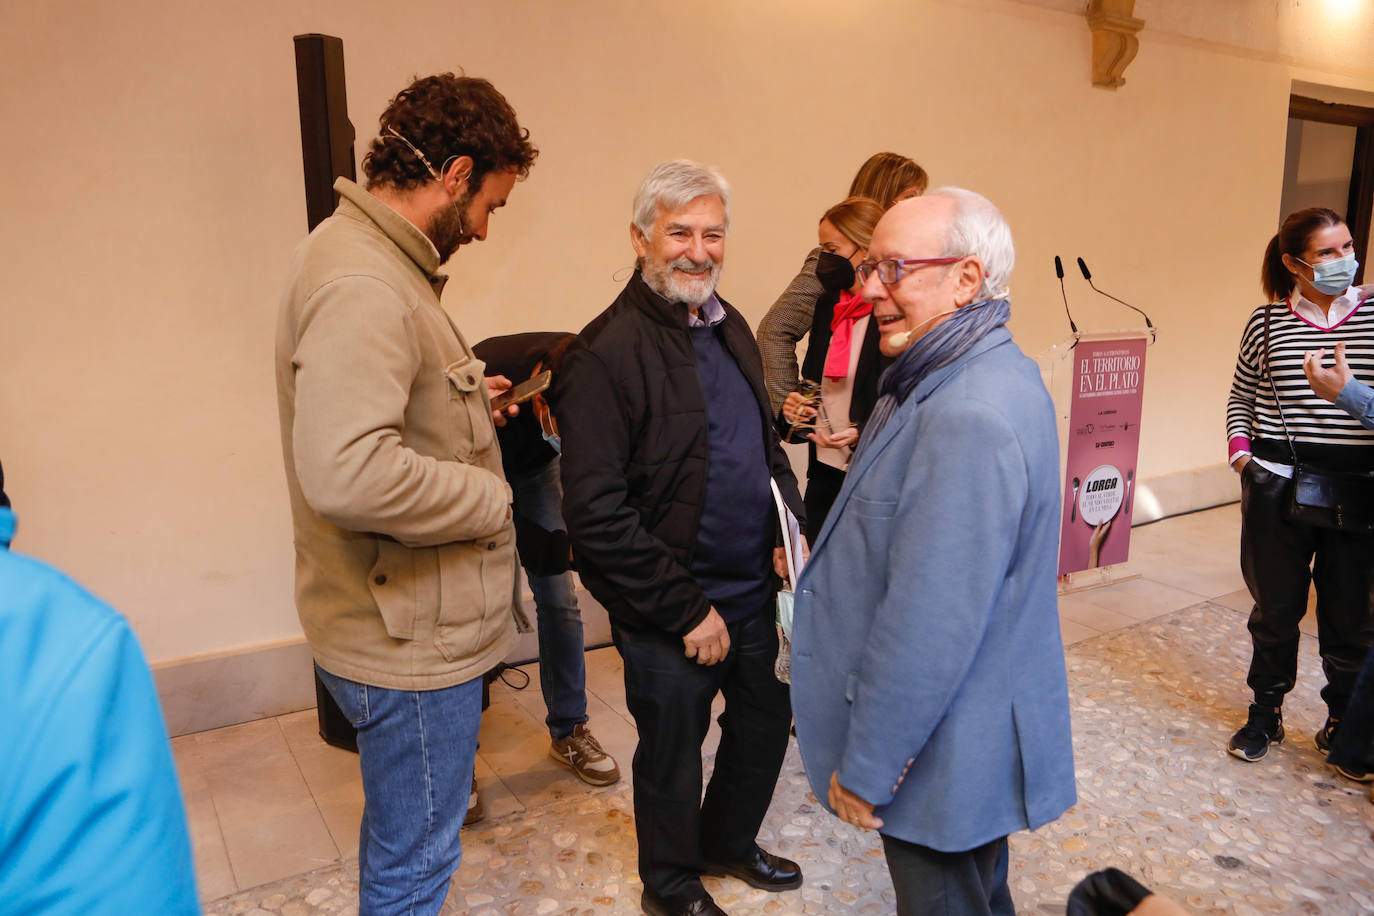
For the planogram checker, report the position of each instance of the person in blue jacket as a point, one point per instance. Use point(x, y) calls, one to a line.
point(928, 676)
point(91, 819)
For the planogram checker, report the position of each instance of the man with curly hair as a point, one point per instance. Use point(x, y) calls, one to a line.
point(405, 552)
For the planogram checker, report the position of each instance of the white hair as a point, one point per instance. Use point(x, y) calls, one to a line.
point(978, 228)
point(673, 185)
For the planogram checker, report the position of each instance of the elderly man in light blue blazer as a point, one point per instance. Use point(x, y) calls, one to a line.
point(928, 677)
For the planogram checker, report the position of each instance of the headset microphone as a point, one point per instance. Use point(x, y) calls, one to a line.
point(901, 338)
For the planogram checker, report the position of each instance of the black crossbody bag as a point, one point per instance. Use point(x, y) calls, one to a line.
point(1339, 500)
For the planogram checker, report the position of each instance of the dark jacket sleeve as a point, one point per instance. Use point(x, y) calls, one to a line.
point(624, 565)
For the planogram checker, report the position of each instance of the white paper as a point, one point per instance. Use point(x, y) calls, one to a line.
point(792, 536)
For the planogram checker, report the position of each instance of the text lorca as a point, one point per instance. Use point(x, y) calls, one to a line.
point(1109, 373)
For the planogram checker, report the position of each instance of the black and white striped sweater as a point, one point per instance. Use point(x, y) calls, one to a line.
point(1325, 435)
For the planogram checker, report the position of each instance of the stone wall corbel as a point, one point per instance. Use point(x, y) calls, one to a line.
point(1114, 41)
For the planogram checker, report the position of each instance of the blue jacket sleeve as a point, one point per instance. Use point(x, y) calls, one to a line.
point(953, 531)
point(1357, 399)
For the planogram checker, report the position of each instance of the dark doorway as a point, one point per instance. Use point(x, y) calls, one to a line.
point(1330, 163)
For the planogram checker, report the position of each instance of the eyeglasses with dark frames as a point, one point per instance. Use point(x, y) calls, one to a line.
point(889, 270)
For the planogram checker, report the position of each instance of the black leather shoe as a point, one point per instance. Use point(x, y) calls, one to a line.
point(763, 870)
point(655, 905)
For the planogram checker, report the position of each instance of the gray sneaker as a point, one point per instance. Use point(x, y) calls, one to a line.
point(584, 755)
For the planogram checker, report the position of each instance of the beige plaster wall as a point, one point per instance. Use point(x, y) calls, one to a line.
point(152, 197)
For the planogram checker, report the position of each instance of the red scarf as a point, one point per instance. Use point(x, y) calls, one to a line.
point(848, 310)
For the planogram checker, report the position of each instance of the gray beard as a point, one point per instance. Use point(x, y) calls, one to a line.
point(672, 285)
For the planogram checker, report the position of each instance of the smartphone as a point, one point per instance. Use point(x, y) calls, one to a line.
point(523, 391)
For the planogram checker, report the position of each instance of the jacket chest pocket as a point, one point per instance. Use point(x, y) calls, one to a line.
point(469, 414)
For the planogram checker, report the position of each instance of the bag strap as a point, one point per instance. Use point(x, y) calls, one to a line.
point(1272, 387)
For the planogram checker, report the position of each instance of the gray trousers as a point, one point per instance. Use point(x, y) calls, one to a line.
point(933, 883)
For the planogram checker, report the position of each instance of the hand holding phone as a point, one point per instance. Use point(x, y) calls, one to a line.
point(523, 391)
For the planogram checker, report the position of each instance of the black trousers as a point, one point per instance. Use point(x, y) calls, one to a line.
point(1279, 560)
point(823, 484)
point(670, 697)
point(929, 882)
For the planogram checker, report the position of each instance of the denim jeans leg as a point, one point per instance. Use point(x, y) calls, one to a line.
point(416, 751)
point(562, 653)
point(562, 662)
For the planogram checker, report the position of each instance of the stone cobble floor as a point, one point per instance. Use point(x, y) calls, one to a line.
point(1159, 797)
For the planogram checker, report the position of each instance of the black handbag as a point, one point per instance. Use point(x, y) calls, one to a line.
point(1330, 499)
point(1343, 501)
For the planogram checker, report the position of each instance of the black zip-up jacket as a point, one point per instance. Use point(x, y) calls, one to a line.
point(635, 449)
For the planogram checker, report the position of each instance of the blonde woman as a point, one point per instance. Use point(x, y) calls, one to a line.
point(842, 356)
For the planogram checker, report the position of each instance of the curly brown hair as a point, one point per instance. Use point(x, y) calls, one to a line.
point(446, 116)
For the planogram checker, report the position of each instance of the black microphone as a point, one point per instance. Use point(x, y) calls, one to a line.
point(1059, 272)
point(1089, 277)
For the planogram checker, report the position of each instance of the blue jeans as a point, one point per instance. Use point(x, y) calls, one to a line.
point(562, 662)
point(416, 750)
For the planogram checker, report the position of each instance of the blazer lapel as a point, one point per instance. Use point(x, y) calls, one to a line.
point(925, 389)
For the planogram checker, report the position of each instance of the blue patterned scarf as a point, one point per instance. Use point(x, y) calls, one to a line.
point(936, 349)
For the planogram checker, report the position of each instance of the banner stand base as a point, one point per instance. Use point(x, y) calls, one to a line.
point(1094, 578)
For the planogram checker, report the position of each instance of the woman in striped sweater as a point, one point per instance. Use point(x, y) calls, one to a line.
point(1308, 268)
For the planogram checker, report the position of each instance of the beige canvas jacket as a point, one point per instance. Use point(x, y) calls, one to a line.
point(405, 553)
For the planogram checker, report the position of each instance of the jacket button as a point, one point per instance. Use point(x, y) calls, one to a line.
point(471, 380)
point(491, 546)
point(380, 580)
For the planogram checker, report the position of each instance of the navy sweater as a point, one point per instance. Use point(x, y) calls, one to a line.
point(733, 557)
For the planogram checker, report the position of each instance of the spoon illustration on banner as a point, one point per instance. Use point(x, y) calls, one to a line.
point(1073, 507)
point(1126, 503)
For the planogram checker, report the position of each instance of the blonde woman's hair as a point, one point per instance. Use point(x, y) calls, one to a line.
point(855, 218)
point(885, 175)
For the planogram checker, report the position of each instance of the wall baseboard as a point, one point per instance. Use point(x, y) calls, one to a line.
point(228, 688)
point(219, 689)
point(1185, 491)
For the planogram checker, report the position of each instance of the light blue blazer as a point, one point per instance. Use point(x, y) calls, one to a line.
point(927, 665)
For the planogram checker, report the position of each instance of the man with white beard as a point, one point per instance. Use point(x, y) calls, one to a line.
point(668, 453)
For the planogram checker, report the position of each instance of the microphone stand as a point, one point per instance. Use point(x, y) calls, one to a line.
point(1089, 277)
point(1059, 271)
